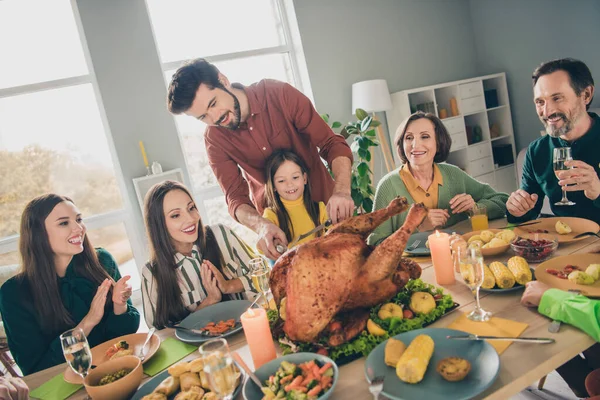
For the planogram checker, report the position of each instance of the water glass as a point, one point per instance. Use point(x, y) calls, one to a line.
point(77, 351)
point(219, 367)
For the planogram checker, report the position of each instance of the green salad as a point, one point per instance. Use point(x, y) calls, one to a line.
point(365, 342)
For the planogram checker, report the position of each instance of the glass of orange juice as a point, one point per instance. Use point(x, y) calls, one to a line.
point(479, 218)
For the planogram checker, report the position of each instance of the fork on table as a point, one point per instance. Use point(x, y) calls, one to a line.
point(414, 245)
point(376, 386)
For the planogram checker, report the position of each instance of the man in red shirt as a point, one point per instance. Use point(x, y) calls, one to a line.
point(245, 125)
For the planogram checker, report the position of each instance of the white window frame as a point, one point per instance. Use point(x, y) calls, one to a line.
point(298, 66)
point(123, 215)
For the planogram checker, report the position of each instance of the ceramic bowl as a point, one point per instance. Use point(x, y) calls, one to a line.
point(120, 389)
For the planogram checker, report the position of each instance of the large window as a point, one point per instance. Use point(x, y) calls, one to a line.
point(52, 135)
point(248, 41)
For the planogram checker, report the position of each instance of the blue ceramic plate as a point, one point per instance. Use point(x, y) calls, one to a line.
point(149, 386)
point(218, 312)
point(512, 289)
point(253, 392)
point(485, 365)
point(421, 249)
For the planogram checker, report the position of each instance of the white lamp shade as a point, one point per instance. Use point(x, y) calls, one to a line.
point(371, 96)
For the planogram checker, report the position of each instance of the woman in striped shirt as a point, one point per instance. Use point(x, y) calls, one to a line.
point(191, 265)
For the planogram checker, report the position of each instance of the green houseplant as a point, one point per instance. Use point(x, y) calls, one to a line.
point(363, 131)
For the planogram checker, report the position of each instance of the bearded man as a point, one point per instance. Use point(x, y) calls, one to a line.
point(563, 90)
point(248, 123)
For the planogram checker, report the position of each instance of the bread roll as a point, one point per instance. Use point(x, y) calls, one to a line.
point(168, 386)
point(178, 369)
point(189, 379)
point(393, 350)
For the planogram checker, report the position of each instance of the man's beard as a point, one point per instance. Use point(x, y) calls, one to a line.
point(237, 113)
point(567, 125)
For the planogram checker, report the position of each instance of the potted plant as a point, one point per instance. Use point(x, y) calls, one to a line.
point(363, 130)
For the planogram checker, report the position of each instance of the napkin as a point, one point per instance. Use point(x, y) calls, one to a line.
point(55, 389)
point(494, 327)
point(170, 351)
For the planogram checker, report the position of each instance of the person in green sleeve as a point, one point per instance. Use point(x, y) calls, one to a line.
point(65, 283)
point(423, 144)
point(572, 309)
point(563, 91)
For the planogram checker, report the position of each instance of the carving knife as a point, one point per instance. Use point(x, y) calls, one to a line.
point(304, 235)
point(513, 339)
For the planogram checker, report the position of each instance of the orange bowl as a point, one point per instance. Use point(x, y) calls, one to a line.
point(120, 389)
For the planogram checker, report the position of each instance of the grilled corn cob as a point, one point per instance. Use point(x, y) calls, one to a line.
point(519, 267)
point(504, 279)
point(488, 278)
point(414, 361)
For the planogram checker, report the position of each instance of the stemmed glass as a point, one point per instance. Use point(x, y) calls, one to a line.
point(471, 269)
point(260, 277)
point(219, 367)
point(77, 351)
point(562, 154)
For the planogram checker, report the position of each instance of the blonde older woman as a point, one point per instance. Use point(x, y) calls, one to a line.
point(423, 144)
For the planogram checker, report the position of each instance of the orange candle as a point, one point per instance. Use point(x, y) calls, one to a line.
point(258, 335)
point(439, 244)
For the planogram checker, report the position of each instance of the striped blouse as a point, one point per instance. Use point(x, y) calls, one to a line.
point(236, 255)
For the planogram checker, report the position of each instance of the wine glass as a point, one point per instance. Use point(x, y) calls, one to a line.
point(77, 351)
point(219, 367)
point(562, 154)
point(260, 277)
point(471, 269)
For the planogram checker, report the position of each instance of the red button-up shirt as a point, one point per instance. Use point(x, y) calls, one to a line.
point(281, 117)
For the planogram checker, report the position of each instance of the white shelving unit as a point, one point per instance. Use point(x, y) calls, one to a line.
point(482, 102)
point(143, 184)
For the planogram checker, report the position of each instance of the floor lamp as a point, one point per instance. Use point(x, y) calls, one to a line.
point(374, 96)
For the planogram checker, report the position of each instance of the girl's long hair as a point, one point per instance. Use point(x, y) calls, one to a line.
point(272, 198)
point(39, 271)
point(169, 304)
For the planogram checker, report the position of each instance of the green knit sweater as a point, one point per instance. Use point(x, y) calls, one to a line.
point(455, 182)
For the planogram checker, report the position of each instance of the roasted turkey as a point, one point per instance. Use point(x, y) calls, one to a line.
point(330, 283)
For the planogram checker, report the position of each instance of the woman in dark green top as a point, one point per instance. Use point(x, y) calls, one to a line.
point(64, 283)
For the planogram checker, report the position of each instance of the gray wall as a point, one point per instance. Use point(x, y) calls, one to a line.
point(409, 43)
point(131, 84)
point(515, 36)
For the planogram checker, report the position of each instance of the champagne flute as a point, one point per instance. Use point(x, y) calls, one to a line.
point(471, 270)
point(219, 368)
point(77, 351)
point(562, 154)
point(260, 277)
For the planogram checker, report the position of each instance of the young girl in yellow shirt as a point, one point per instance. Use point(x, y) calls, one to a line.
point(287, 194)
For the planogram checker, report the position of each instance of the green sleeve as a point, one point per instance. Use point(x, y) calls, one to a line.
point(28, 344)
point(129, 321)
point(384, 194)
point(572, 309)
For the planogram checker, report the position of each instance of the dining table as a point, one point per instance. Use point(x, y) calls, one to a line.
point(521, 365)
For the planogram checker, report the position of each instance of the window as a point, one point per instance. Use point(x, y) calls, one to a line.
point(52, 135)
point(244, 54)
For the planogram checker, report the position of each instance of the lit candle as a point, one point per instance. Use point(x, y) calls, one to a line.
point(144, 154)
point(439, 244)
point(258, 335)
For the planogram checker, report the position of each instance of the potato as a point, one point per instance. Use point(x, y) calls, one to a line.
point(495, 242)
point(593, 270)
point(486, 236)
point(581, 278)
point(562, 228)
point(506, 235)
point(474, 238)
point(476, 243)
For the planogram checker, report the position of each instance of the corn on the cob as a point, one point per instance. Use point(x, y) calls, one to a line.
point(504, 279)
point(414, 361)
point(519, 267)
point(488, 278)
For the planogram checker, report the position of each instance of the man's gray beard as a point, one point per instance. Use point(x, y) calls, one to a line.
point(558, 132)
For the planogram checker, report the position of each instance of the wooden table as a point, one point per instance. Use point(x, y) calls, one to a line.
point(520, 365)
